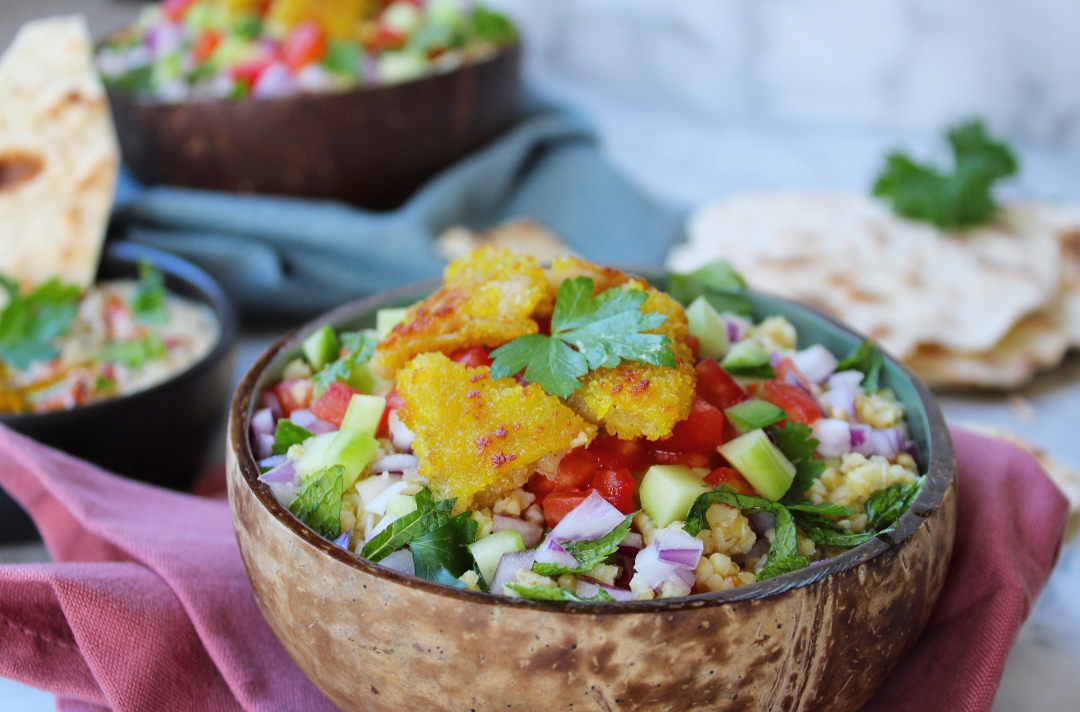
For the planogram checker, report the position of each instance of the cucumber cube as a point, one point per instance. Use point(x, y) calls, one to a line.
point(350, 449)
point(364, 379)
point(745, 355)
point(668, 491)
point(321, 347)
point(752, 415)
point(709, 328)
point(387, 319)
point(399, 505)
point(489, 550)
point(363, 414)
point(761, 463)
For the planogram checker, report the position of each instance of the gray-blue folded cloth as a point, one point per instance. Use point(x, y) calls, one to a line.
point(292, 257)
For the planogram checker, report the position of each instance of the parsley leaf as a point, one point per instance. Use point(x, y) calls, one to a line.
point(556, 593)
point(956, 200)
point(588, 553)
point(443, 549)
point(318, 503)
point(288, 434)
point(31, 323)
point(886, 506)
point(148, 301)
point(135, 353)
point(797, 443)
point(428, 516)
point(360, 347)
point(605, 330)
point(868, 360)
point(718, 282)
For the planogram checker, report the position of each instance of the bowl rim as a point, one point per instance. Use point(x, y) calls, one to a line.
point(940, 478)
point(177, 268)
point(505, 52)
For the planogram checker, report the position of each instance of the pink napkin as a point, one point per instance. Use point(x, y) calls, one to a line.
point(148, 607)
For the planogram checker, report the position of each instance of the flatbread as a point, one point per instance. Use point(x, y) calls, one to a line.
point(58, 155)
point(523, 237)
point(896, 280)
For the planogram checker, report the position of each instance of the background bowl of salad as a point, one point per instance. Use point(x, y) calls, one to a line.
point(145, 411)
point(350, 99)
point(819, 638)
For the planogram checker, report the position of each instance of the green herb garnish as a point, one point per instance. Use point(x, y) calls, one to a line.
point(288, 434)
point(318, 503)
point(956, 200)
point(797, 443)
point(886, 506)
point(556, 593)
point(360, 347)
point(604, 330)
point(31, 323)
point(493, 26)
point(342, 57)
point(148, 302)
point(428, 516)
point(135, 353)
point(442, 550)
point(866, 359)
point(588, 553)
point(718, 282)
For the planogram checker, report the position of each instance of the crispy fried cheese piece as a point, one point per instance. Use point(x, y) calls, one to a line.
point(474, 434)
point(488, 298)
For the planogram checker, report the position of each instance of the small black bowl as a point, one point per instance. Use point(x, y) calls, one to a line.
point(159, 435)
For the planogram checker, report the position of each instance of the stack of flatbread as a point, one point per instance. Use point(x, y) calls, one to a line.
point(987, 307)
point(58, 155)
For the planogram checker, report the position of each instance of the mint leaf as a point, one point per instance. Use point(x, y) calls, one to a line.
point(718, 282)
point(797, 443)
point(956, 200)
point(148, 301)
point(288, 434)
point(30, 324)
point(605, 330)
point(822, 509)
point(318, 503)
point(588, 553)
point(556, 593)
point(867, 360)
point(443, 549)
point(134, 354)
point(826, 532)
point(775, 566)
point(887, 505)
point(428, 516)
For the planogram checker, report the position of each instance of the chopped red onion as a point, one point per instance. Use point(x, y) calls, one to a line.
point(912, 449)
point(285, 472)
point(734, 330)
point(655, 573)
point(398, 462)
point(593, 518)
point(272, 462)
point(678, 547)
point(307, 420)
point(401, 436)
point(587, 589)
point(509, 565)
point(887, 442)
point(400, 561)
point(816, 363)
point(284, 492)
point(263, 445)
point(841, 397)
point(270, 400)
point(860, 439)
point(275, 81)
point(531, 533)
point(775, 359)
point(833, 436)
point(633, 540)
point(551, 552)
point(761, 522)
point(619, 594)
point(852, 379)
point(343, 540)
point(262, 421)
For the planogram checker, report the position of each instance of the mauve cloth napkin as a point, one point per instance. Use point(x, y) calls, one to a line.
point(147, 606)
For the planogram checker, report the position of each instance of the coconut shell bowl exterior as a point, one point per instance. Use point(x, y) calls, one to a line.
point(823, 638)
point(371, 146)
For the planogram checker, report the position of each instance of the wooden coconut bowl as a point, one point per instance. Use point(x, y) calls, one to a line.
point(369, 146)
point(823, 638)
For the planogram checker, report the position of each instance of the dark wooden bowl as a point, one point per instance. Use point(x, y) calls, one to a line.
point(372, 147)
point(159, 435)
point(823, 638)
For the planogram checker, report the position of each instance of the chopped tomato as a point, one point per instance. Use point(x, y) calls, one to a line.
point(472, 356)
point(726, 475)
point(793, 400)
point(702, 431)
point(540, 486)
point(558, 504)
point(204, 46)
point(386, 38)
point(293, 395)
point(333, 403)
point(695, 345)
point(688, 459)
point(786, 367)
point(249, 72)
point(175, 9)
point(717, 386)
point(616, 454)
point(393, 402)
point(617, 487)
point(304, 45)
point(576, 469)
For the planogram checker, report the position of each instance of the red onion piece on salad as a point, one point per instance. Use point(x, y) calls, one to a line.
point(833, 436)
point(593, 518)
point(400, 435)
point(852, 379)
point(306, 419)
point(860, 439)
point(775, 358)
point(677, 547)
point(618, 594)
point(655, 573)
point(761, 522)
point(275, 81)
point(734, 330)
point(509, 565)
point(285, 472)
point(263, 445)
point(816, 363)
point(586, 589)
point(400, 561)
point(263, 421)
point(887, 442)
point(531, 533)
point(343, 540)
point(270, 400)
point(272, 462)
point(398, 462)
point(551, 552)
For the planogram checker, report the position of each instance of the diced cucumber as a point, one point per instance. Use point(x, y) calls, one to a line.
point(745, 354)
point(364, 379)
point(321, 347)
point(399, 505)
point(387, 319)
point(709, 328)
point(753, 414)
point(489, 550)
point(761, 463)
point(668, 491)
point(363, 414)
point(350, 449)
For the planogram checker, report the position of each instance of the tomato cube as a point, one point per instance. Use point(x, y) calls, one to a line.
point(576, 469)
point(728, 476)
point(205, 46)
point(175, 9)
point(617, 454)
point(472, 356)
point(793, 400)
point(704, 460)
point(702, 431)
point(333, 403)
point(540, 486)
point(249, 72)
point(304, 45)
point(617, 487)
point(293, 395)
point(558, 504)
point(393, 402)
point(695, 345)
point(717, 386)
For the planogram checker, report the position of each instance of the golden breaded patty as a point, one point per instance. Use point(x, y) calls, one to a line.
point(636, 399)
point(472, 432)
point(604, 278)
point(487, 299)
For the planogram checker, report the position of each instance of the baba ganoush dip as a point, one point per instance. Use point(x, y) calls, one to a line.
point(61, 348)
